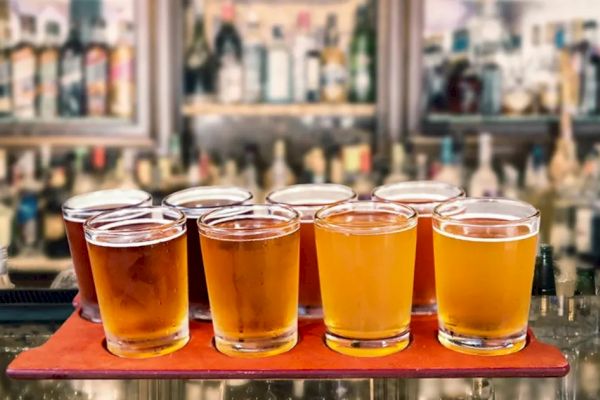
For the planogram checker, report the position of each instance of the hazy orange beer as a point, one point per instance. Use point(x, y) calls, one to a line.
point(194, 203)
point(139, 260)
point(484, 261)
point(75, 211)
point(423, 196)
point(307, 199)
point(251, 264)
point(366, 252)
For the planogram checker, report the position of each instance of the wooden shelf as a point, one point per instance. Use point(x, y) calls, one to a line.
point(74, 141)
point(284, 110)
point(38, 263)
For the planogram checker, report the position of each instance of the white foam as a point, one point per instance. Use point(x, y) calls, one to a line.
point(134, 238)
point(485, 240)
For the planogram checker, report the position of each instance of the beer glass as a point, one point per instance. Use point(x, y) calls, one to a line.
point(250, 255)
point(423, 196)
point(139, 261)
point(75, 211)
point(485, 252)
point(366, 252)
point(194, 203)
point(307, 199)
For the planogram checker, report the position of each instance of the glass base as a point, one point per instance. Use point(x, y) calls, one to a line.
point(254, 348)
point(148, 348)
point(482, 346)
point(424, 309)
point(200, 312)
point(368, 347)
point(310, 312)
point(90, 312)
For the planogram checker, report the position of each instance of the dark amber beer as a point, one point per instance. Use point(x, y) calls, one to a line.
point(423, 196)
point(251, 263)
point(484, 261)
point(194, 203)
point(366, 252)
point(75, 211)
point(139, 261)
point(307, 199)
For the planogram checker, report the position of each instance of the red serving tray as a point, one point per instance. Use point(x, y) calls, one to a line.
point(76, 351)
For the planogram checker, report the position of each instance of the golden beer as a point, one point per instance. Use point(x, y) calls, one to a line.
point(484, 274)
point(366, 253)
point(250, 258)
point(139, 262)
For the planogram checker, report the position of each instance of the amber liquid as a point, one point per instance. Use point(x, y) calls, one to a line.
point(142, 293)
point(252, 284)
point(309, 292)
point(366, 279)
point(484, 277)
point(81, 263)
point(424, 286)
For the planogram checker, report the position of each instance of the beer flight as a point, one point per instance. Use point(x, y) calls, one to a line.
point(311, 251)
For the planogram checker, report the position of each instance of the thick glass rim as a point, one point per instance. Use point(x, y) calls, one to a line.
point(104, 223)
point(288, 221)
point(456, 192)
point(305, 188)
point(204, 192)
point(71, 211)
point(367, 206)
point(447, 211)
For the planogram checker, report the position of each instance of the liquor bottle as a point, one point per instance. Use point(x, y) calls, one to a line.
point(318, 166)
point(28, 210)
point(121, 74)
point(199, 75)
point(510, 187)
point(303, 44)
point(362, 59)
point(48, 60)
point(228, 49)
point(24, 71)
point(333, 65)
point(434, 82)
point(491, 81)
point(55, 239)
point(249, 175)
point(550, 91)
point(537, 190)
point(458, 65)
point(279, 174)
point(96, 72)
point(564, 166)
point(590, 70)
point(278, 66)
point(517, 98)
point(83, 182)
point(363, 184)
point(71, 87)
point(448, 173)
point(313, 76)
point(484, 181)
point(397, 173)
point(421, 161)
point(6, 108)
point(545, 269)
point(336, 170)
point(6, 219)
point(253, 60)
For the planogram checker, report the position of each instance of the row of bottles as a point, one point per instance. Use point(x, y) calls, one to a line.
point(83, 76)
point(295, 65)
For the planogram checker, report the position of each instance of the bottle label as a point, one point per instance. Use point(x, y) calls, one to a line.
point(48, 84)
point(333, 81)
point(252, 74)
point(278, 87)
point(72, 70)
point(96, 82)
point(122, 85)
point(54, 228)
point(362, 79)
point(23, 62)
point(313, 69)
point(230, 80)
point(583, 230)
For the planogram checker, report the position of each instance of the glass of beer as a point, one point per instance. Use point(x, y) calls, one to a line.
point(307, 199)
point(366, 252)
point(194, 203)
point(139, 261)
point(250, 255)
point(423, 196)
point(75, 211)
point(485, 252)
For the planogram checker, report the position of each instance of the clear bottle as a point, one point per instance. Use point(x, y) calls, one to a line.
point(484, 181)
point(363, 183)
point(333, 65)
point(448, 173)
point(199, 74)
point(96, 60)
point(590, 70)
point(302, 46)
point(279, 174)
point(228, 49)
point(24, 71)
point(491, 81)
point(249, 175)
point(121, 101)
point(253, 60)
point(362, 59)
point(7, 206)
point(278, 66)
point(71, 71)
point(397, 173)
point(550, 86)
point(48, 59)
point(463, 85)
point(6, 108)
point(28, 207)
point(516, 99)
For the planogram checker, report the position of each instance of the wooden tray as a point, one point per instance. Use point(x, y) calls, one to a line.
point(76, 351)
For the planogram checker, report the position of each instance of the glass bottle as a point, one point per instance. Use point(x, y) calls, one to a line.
point(544, 282)
point(333, 65)
point(484, 181)
point(199, 75)
point(71, 83)
point(28, 207)
point(434, 75)
point(253, 60)
point(228, 49)
point(448, 173)
point(96, 71)
point(5, 71)
point(302, 46)
point(24, 71)
point(7, 205)
point(516, 98)
point(121, 74)
point(48, 59)
point(279, 174)
point(55, 239)
point(590, 70)
point(491, 81)
point(397, 173)
point(278, 66)
point(362, 59)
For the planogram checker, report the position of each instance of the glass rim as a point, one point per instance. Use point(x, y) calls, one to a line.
point(70, 211)
point(198, 211)
point(334, 209)
point(131, 214)
point(437, 211)
point(425, 184)
point(232, 213)
point(303, 187)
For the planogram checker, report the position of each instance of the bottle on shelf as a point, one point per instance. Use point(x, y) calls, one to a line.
point(516, 98)
point(544, 282)
point(464, 86)
point(491, 80)
point(6, 109)
point(229, 177)
point(550, 87)
point(249, 175)
point(253, 60)
point(586, 285)
point(564, 166)
point(71, 70)
point(510, 187)
point(363, 184)
point(434, 82)
point(199, 75)
point(537, 190)
point(48, 61)
point(312, 78)
point(28, 207)
point(589, 102)
point(7, 204)
point(278, 83)
point(121, 100)
point(55, 194)
point(397, 173)
point(333, 65)
point(303, 44)
point(362, 59)
point(228, 49)
point(83, 182)
point(279, 174)
point(421, 167)
point(23, 62)
point(318, 166)
point(96, 59)
point(449, 172)
point(484, 181)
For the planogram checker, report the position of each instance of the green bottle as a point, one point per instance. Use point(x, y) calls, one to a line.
point(362, 59)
